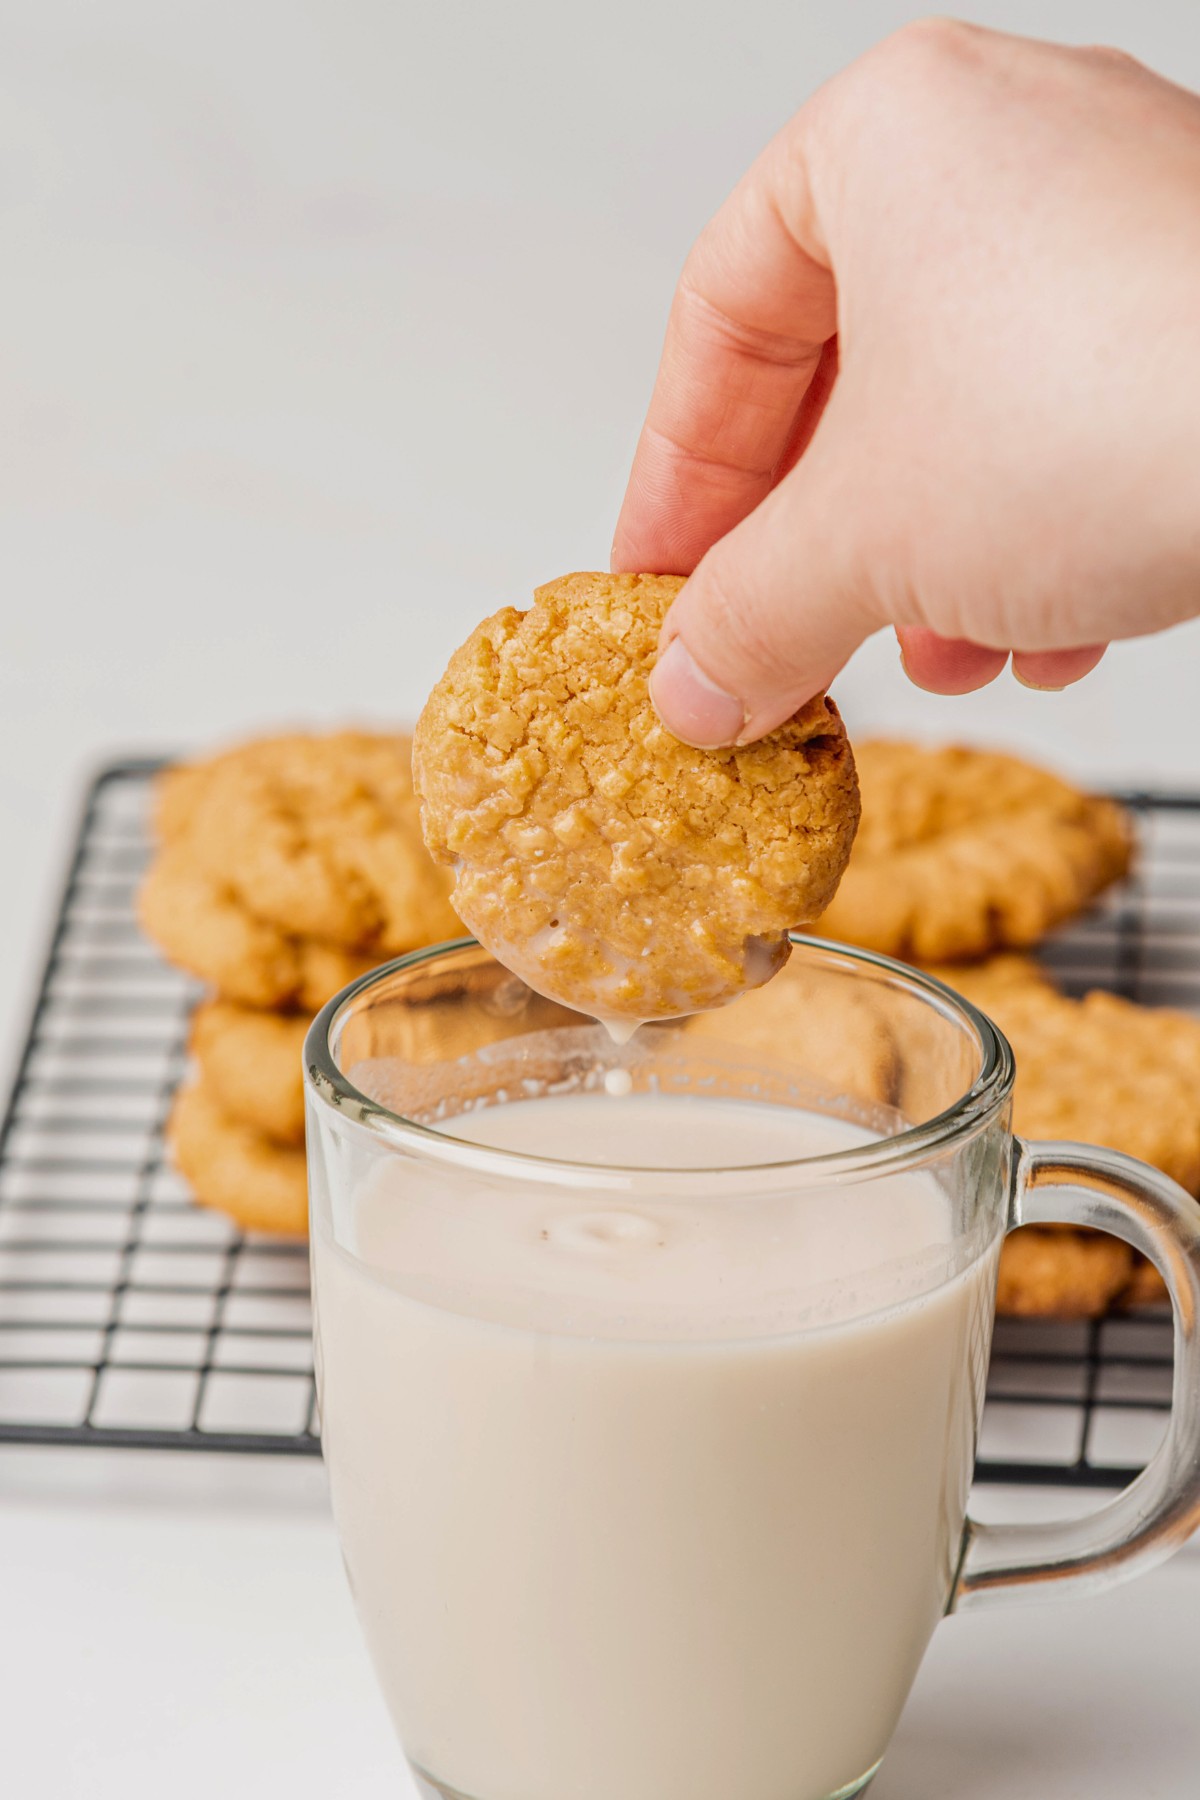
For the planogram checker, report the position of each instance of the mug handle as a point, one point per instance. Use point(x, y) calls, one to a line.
point(1070, 1184)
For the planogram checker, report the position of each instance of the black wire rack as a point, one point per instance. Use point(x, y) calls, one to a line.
point(130, 1317)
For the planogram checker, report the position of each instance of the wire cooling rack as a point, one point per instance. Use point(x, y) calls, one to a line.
point(128, 1316)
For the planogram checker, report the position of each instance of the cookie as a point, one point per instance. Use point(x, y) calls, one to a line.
point(612, 867)
point(261, 1186)
point(1147, 1287)
point(176, 792)
point(318, 836)
point(1061, 1274)
point(250, 1062)
point(962, 852)
point(1101, 1070)
point(830, 1033)
point(994, 979)
point(1045, 1271)
point(200, 925)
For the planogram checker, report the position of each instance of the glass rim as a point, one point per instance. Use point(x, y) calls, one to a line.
point(916, 1144)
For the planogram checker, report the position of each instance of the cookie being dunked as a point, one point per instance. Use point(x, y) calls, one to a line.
point(610, 866)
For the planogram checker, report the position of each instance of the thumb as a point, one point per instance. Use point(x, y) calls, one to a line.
point(771, 614)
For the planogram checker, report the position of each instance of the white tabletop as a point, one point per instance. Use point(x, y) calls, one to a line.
point(182, 1625)
point(325, 329)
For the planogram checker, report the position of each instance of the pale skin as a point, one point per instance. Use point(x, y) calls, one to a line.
point(933, 366)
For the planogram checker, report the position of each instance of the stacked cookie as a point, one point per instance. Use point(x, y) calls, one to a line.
point(965, 856)
point(1100, 1070)
point(285, 868)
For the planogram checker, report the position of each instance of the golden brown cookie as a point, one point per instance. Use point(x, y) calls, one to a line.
point(251, 1064)
point(938, 1066)
point(611, 866)
point(833, 1033)
point(176, 792)
point(1050, 1272)
point(1101, 1070)
point(179, 787)
point(318, 836)
point(993, 979)
point(961, 852)
point(260, 1185)
point(1147, 1287)
point(199, 924)
point(1045, 1271)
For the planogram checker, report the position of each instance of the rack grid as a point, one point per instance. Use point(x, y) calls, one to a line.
point(130, 1317)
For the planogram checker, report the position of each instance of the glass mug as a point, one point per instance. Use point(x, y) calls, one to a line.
point(650, 1465)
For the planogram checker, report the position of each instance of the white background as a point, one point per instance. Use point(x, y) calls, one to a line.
point(325, 328)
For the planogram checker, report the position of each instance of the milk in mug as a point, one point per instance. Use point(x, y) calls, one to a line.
point(648, 1498)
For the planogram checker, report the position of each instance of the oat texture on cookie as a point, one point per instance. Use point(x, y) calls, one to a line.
point(611, 866)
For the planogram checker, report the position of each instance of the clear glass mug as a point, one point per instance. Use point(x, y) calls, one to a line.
point(652, 1482)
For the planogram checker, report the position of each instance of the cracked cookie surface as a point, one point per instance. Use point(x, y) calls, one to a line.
point(611, 866)
point(961, 852)
point(316, 835)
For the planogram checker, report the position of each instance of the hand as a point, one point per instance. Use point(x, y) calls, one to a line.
point(935, 364)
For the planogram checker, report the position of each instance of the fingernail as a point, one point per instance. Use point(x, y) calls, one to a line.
point(690, 704)
point(1040, 687)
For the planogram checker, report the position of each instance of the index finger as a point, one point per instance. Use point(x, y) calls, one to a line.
point(753, 313)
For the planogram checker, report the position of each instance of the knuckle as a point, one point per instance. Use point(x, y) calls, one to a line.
point(901, 79)
point(934, 44)
point(1118, 61)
